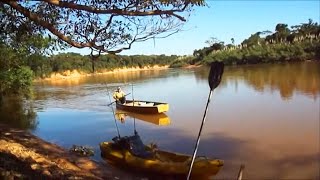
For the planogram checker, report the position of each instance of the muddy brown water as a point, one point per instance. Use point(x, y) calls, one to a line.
point(263, 116)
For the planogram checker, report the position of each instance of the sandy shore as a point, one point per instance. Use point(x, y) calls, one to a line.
point(74, 74)
point(25, 156)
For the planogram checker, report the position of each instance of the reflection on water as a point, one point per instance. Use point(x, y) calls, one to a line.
point(263, 116)
point(18, 113)
point(283, 78)
point(112, 78)
point(160, 119)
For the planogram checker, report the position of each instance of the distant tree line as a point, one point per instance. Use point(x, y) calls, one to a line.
point(301, 42)
point(44, 66)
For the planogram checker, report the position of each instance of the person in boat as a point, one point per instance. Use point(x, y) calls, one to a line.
point(119, 96)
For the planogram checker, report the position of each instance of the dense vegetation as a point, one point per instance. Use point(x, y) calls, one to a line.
point(16, 64)
point(71, 61)
point(301, 42)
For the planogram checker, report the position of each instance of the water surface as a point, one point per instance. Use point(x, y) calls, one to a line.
point(263, 116)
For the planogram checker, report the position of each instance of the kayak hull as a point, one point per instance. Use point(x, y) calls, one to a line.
point(143, 107)
point(163, 162)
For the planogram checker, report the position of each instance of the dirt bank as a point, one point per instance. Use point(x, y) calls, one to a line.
point(78, 74)
point(25, 156)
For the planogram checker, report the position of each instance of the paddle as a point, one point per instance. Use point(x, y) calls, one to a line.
point(214, 80)
point(240, 172)
point(116, 101)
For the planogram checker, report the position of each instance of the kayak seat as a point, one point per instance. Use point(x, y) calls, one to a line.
point(137, 147)
point(134, 145)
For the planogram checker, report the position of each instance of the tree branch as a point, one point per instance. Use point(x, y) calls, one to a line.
point(33, 17)
point(123, 12)
point(102, 29)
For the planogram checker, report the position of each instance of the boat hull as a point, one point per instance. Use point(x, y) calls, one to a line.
point(143, 107)
point(165, 163)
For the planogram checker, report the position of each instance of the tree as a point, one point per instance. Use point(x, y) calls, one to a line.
point(15, 76)
point(103, 26)
point(254, 39)
point(282, 31)
point(213, 41)
point(214, 45)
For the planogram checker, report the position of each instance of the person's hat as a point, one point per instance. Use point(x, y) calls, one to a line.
point(118, 88)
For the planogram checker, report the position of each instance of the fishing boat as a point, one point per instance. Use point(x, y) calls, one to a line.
point(143, 107)
point(156, 161)
point(160, 119)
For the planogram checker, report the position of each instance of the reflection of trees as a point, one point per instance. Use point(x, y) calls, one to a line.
point(17, 113)
point(287, 78)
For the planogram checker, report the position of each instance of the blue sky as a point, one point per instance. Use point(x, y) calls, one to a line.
point(225, 20)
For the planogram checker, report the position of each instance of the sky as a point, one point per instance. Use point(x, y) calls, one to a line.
point(226, 19)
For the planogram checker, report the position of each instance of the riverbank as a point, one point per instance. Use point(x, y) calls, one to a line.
point(25, 156)
point(74, 74)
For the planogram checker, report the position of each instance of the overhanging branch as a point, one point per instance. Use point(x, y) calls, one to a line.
point(107, 29)
point(122, 12)
point(33, 17)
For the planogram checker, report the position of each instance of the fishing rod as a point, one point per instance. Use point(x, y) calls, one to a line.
point(134, 119)
point(114, 116)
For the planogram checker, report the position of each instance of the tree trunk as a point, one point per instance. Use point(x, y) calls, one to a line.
point(92, 65)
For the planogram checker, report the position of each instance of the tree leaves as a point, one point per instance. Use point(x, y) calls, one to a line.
point(83, 23)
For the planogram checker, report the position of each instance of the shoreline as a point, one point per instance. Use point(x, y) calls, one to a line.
point(75, 74)
point(26, 156)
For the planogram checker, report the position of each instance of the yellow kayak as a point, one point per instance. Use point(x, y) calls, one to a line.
point(159, 162)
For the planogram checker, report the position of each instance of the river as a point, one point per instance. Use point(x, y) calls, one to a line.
point(263, 116)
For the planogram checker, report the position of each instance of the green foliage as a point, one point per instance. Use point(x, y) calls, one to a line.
point(300, 43)
point(108, 26)
point(18, 61)
point(17, 80)
point(43, 66)
point(254, 39)
point(182, 61)
point(267, 53)
point(178, 64)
